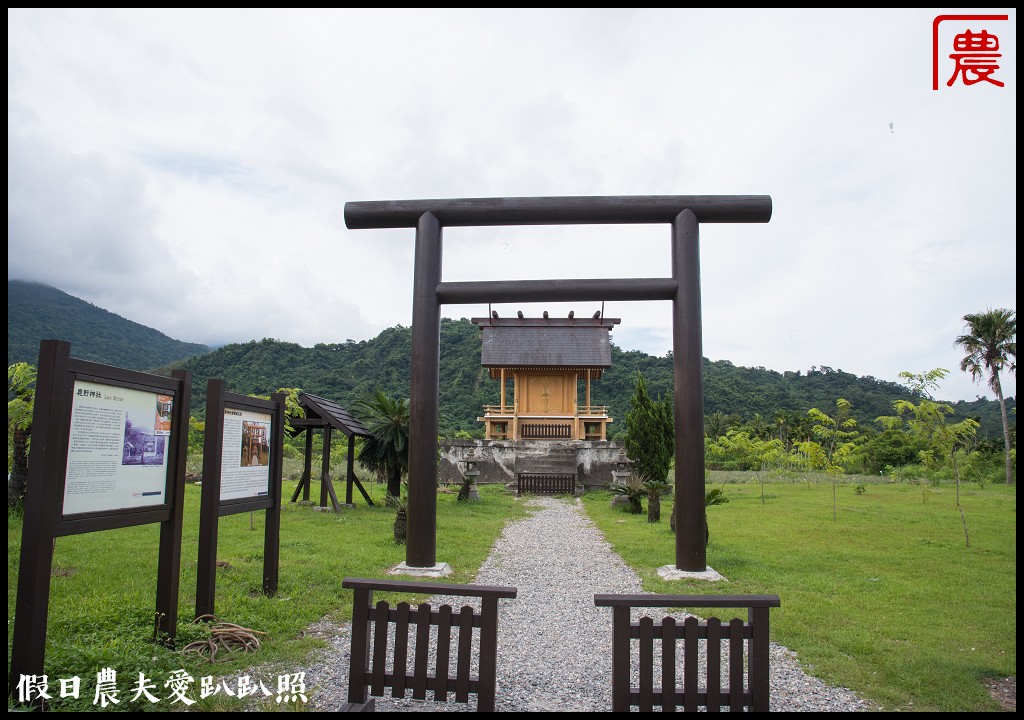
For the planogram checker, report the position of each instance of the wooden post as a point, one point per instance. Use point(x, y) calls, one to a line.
point(350, 471)
point(272, 524)
point(209, 506)
point(515, 407)
point(503, 390)
point(359, 660)
point(421, 544)
point(687, 354)
point(307, 469)
point(325, 464)
point(42, 507)
point(169, 564)
point(758, 659)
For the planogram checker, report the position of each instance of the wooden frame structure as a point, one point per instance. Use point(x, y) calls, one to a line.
point(324, 415)
point(683, 213)
point(213, 507)
point(47, 516)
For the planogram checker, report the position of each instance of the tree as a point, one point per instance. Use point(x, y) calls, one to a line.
point(386, 451)
point(21, 389)
point(759, 427)
point(633, 490)
point(991, 345)
point(655, 488)
point(835, 435)
point(891, 448)
point(717, 424)
point(650, 433)
point(832, 432)
point(927, 421)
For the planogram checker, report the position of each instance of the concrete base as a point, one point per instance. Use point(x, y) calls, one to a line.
point(671, 572)
point(305, 502)
point(439, 570)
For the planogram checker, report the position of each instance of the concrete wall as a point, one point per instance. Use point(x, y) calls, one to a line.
point(500, 461)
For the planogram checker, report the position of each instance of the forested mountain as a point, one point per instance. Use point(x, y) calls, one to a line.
point(40, 312)
point(344, 372)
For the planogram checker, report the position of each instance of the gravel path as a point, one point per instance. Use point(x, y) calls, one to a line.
point(554, 645)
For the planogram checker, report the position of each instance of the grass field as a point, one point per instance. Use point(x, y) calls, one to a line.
point(103, 589)
point(885, 598)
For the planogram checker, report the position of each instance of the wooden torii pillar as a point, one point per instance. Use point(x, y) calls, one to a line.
point(683, 213)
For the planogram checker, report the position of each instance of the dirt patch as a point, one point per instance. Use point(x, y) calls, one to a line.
point(1004, 691)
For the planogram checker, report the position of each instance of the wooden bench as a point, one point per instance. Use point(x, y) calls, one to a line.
point(747, 688)
point(368, 670)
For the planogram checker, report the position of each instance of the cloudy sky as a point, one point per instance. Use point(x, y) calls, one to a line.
point(189, 169)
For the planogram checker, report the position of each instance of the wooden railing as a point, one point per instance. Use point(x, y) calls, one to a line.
point(590, 410)
point(545, 431)
point(546, 484)
point(490, 410)
point(504, 422)
point(747, 687)
point(371, 626)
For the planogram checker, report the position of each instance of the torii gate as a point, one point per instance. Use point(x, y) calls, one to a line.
point(683, 213)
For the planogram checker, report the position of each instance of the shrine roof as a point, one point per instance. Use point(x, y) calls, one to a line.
point(321, 411)
point(546, 342)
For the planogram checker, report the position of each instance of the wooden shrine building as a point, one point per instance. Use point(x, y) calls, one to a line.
point(546, 359)
point(326, 415)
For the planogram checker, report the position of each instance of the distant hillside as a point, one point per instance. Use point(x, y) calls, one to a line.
point(40, 312)
point(346, 371)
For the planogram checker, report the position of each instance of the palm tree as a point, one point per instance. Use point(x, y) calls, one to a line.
point(991, 345)
point(717, 424)
point(759, 427)
point(386, 451)
point(633, 490)
point(655, 488)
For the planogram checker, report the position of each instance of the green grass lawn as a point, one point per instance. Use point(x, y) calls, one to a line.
point(103, 590)
point(884, 599)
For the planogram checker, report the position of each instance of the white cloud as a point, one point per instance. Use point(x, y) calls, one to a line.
point(215, 150)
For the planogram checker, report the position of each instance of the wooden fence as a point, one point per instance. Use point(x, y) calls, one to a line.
point(369, 673)
point(545, 431)
point(746, 688)
point(546, 483)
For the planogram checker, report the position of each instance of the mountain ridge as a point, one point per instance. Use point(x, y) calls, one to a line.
point(347, 371)
point(37, 311)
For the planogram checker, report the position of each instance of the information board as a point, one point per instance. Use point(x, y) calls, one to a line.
point(117, 448)
point(245, 456)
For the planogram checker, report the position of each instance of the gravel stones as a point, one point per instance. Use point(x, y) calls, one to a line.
point(554, 645)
